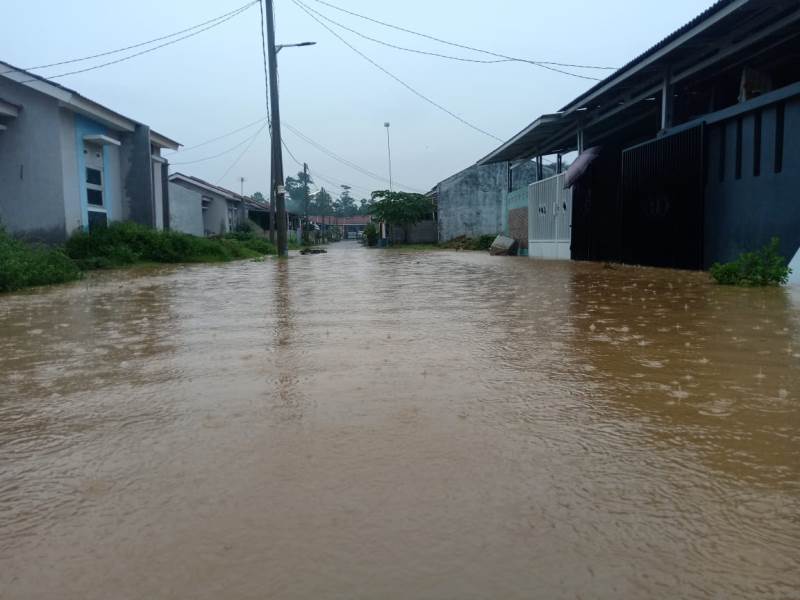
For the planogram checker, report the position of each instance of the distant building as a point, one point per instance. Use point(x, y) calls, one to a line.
point(202, 208)
point(695, 147)
point(67, 162)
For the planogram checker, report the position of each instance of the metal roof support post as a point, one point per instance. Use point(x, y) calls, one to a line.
point(667, 100)
point(580, 141)
point(539, 168)
point(559, 163)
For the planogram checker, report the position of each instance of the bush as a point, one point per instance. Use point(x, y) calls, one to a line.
point(122, 244)
point(760, 268)
point(371, 234)
point(463, 242)
point(24, 265)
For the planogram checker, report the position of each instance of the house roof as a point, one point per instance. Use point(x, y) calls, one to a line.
point(205, 186)
point(727, 29)
point(80, 103)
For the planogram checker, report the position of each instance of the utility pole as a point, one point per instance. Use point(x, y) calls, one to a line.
point(277, 153)
point(241, 187)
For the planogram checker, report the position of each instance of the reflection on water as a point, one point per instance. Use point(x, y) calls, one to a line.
point(370, 424)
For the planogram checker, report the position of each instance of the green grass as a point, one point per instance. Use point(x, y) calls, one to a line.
point(123, 244)
point(763, 267)
point(24, 265)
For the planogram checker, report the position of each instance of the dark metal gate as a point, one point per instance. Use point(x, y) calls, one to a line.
point(663, 201)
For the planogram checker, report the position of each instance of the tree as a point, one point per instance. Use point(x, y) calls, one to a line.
point(400, 208)
point(363, 206)
point(296, 191)
point(345, 205)
point(259, 197)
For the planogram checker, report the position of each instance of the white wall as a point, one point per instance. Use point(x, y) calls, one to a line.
point(185, 210)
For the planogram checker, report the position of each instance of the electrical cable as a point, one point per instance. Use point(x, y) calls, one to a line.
point(238, 158)
point(223, 153)
point(139, 45)
point(464, 46)
point(397, 79)
point(220, 137)
point(129, 57)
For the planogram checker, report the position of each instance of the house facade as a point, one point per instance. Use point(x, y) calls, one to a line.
point(68, 163)
point(486, 200)
point(202, 208)
point(694, 147)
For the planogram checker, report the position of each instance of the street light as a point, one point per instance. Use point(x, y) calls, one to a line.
point(280, 47)
point(389, 146)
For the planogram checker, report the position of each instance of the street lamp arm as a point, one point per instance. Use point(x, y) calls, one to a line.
point(280, 47)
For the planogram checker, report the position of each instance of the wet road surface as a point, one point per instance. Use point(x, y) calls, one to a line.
point(385, 424)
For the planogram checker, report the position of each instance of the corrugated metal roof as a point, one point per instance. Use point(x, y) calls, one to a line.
point(711, 10)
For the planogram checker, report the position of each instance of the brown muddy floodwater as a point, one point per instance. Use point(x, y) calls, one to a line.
point(387, 424)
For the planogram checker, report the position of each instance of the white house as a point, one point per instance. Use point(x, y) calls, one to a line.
point(202, 208)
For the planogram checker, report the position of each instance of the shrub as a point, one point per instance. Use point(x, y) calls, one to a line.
point(371, 234)
point(122, 244)
point(463, 242)
point(760, 268)
point(24, 265)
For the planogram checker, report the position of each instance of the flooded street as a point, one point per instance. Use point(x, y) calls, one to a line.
point(388, 424)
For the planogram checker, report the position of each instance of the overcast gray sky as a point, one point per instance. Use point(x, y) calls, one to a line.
point(213, 83)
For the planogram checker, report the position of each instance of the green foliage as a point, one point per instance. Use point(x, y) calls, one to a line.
point(25, 265)
point(122, 244)
point(400, 208)
point(463, 242)
point(371, 234)
point(760, 268)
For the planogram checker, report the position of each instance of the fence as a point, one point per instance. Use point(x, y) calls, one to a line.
point(549, 218)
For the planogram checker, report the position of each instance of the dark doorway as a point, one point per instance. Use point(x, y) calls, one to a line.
point(663, 201)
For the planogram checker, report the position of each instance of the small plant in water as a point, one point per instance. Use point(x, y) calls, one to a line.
point(760, 268)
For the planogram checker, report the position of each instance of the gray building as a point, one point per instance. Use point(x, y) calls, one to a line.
point(482, 199)
point(67, 162)
point(202, 208)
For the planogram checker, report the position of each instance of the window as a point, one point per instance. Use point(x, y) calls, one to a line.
point(94, 176)
point(94, 197)
point(97, 220)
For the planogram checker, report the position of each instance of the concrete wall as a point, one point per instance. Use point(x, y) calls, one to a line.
point(421, 233)
point(185, 210)
point(471, 202)
point(184, 196)
point(742, 214)
point(31, 182)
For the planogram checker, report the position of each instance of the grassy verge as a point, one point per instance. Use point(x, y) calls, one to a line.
point(123, 244)
point(24, 265)
point(119, 245)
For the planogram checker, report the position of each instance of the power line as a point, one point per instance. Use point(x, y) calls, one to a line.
point(540, 63)
point(220, 137)
point(238, 158)
point(153, 49)
point(223, 153)
point(397, 79)
point(139, 45)
point(403, 48)
point(337, 157)
point(444, 56)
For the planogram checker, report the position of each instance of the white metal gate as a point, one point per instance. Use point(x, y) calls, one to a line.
point(549, 218)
